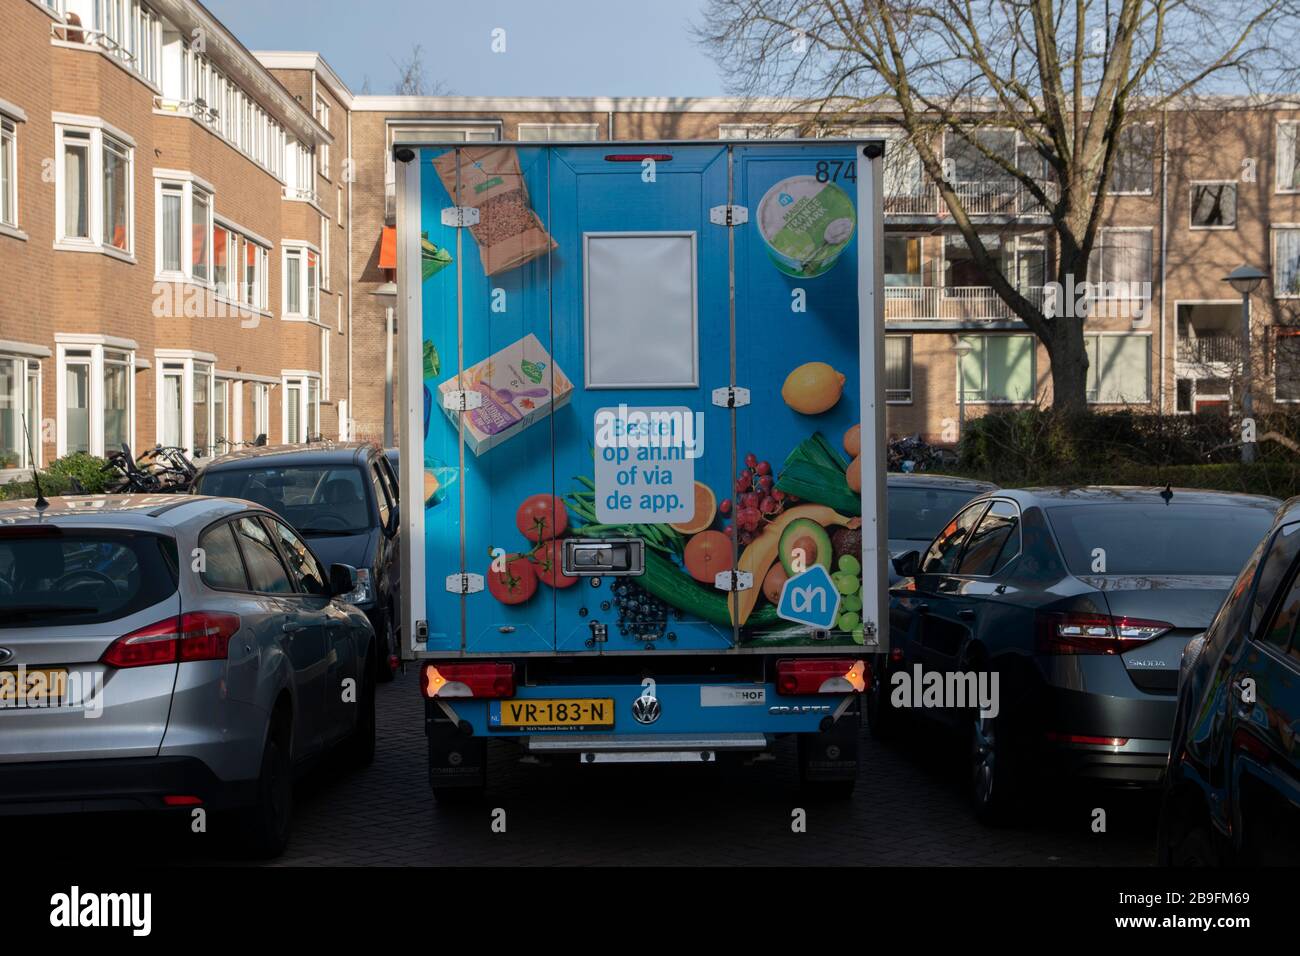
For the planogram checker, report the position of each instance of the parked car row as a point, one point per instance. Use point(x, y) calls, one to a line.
point(1091, 606)
point(198, 651)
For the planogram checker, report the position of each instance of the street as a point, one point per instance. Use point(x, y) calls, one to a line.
point(909, 809)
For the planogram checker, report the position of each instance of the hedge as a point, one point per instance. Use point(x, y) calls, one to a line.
point(88, 470)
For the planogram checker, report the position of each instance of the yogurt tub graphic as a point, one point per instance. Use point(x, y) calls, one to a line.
point(805, 225)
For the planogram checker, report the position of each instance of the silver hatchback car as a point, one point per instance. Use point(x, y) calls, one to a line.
point(173, 651)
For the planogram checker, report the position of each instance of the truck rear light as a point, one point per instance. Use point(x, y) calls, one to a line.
point(1074, 633)
point(821, 676)
point(467, 680)
point(195, 636)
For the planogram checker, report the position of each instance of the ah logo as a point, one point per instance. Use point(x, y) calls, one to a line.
point(785, 199)
point(810, 598)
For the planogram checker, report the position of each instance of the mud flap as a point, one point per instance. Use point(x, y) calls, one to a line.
point(457, 760)
point(832, 754)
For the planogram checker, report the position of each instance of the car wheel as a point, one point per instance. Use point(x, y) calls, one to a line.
point(360, 747)
point(993, 769)
point(266, 825)
point(385, 666)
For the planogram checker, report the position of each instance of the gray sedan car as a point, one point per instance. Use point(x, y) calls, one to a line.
point(173, 651)
point(1067, 609)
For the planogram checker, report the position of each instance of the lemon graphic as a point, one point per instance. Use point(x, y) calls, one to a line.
point(813, 388)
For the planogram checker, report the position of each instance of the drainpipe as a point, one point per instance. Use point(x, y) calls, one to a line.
point(609, 124)
point(1164, 240)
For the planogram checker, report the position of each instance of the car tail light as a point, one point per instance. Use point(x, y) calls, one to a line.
point(821, 676)
point(468, 680)
point(182, 800)
point(1086, 739)
point(195, 636)
point(1072, 633)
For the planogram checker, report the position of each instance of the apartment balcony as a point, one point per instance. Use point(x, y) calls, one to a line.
point(952, 304)
point(1004, 200)
point(1211, 349)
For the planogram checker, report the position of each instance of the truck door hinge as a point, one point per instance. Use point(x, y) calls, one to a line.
point(458, 216)
point(730, 396)
point(599, 633)
point(729, 215)
point(462, 401)
point(467, 583)
point(733, 581)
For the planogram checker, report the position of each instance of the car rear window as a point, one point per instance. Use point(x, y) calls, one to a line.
point(315, 499)
point(1127, 537)
point(918, 514)
point(50, 576)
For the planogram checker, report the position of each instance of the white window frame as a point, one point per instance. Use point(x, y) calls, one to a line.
point(1191, 208)
point(9, 156)
point(1273, 230)
point(1098, 250)
point(547, 134)
point(1278, 187)
point(1033, 370)
point(189, 184)
point(324, 276)
point(96, 345)
point(325, 334)
point(1099, 335)
point(1150, 190)
point(911, 371)
point(289, 247)
point(25, 358)
point(261, 409)
point(96, 132)
point(300, 379)
point(189, 361)
point(322, 114)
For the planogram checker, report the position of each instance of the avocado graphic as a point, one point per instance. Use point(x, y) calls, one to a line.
point(812, 538)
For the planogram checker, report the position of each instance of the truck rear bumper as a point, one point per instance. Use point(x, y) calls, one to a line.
point(646, 748)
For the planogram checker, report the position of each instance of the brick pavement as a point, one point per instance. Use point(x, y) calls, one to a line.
point(909, 809)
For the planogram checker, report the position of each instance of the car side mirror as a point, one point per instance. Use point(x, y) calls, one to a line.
point(907, 564)
point(343, 579)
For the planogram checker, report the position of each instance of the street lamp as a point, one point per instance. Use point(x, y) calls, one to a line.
point(1245, 279)
point(961, 350)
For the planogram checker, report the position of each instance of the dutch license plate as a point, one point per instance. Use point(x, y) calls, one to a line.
point(566, 714)
point(33, 687)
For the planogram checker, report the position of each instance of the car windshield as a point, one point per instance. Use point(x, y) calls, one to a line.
point(1129, 537)
point(918, 514)
point(49, 576)
point(315, 499)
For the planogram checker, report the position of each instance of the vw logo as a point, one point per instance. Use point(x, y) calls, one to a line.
point(5, 655)
point(646, 709)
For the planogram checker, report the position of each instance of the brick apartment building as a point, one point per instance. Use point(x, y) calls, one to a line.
point(128, 124)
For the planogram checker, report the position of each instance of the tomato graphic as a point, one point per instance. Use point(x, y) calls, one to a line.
point(541, 517)
point(548, 562)
point(514, 585)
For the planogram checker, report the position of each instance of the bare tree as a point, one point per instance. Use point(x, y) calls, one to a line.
point(1067, 77)
point(412, 78)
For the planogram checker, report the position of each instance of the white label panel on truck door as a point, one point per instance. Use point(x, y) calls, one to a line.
point(645, 464)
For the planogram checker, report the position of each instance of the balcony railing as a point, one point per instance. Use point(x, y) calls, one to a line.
point(1209, 349)
point(952, 303)
point(979, 198)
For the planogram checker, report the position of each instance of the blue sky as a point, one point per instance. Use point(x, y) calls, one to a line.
point(553, 47)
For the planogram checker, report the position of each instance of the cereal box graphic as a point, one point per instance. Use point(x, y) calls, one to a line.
point(517, 386)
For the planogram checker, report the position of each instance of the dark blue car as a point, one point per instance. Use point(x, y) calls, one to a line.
point(1232, 791)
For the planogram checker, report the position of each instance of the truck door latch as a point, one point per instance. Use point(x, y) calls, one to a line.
point(729, 215)
point(458, 216)
point(462, 401)
point(730, 396)
point(467, 583)
point(733, 581)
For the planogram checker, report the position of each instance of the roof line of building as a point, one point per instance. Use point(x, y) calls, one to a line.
point(307, 60)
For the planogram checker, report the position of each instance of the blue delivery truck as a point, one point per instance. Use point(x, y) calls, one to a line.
point(642, 393)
